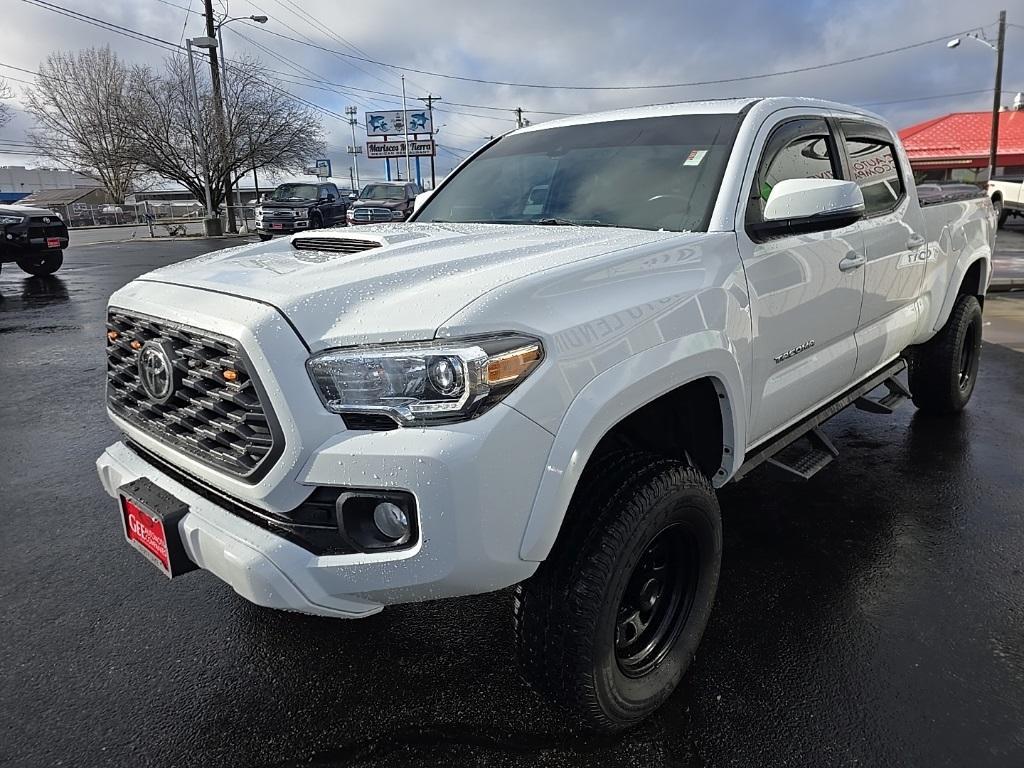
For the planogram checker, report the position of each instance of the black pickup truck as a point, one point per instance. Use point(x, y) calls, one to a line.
point(34, 238)
point(298, 207)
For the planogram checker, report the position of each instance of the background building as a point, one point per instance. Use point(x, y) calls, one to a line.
point(17, 181)
point(955, 147)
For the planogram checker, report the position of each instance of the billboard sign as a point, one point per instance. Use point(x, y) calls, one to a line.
point(379, 150)
point(393, 122)
point(323, 169)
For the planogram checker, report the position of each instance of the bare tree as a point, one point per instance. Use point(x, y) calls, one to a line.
point(6, 113)
point(266, 128)
point(79, 104)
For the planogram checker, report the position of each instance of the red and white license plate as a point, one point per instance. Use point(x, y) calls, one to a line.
point(53, 242)
point(277, 226)
point(149, 518)
point(146, 533)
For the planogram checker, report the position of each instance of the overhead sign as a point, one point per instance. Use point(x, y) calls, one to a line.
point(323, 168)
point(393, 122)
point(379, 150)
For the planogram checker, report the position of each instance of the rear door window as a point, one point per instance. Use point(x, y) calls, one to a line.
point(874, 165)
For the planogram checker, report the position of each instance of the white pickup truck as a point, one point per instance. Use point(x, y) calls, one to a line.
point(541, 379)
point(1007, 194)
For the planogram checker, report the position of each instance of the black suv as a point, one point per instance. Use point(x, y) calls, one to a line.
point(384, 201)
point(298, 207)
point(35, 238)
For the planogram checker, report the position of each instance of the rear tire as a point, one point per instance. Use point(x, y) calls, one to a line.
point(43, 264)
point(609, 624)
point(943, 370)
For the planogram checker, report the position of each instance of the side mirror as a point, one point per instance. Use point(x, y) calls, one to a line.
point(421, 198)
point(798, 206)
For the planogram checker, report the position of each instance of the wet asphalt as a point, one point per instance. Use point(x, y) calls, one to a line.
point(873, 616)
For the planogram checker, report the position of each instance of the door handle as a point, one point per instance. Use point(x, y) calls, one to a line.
point(915, 241)
point(852, 261)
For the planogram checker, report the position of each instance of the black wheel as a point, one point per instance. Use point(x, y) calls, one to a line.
point(943, 371)
point(316, 220)
point(264, 237)
point(610, 622)
point(42, 264)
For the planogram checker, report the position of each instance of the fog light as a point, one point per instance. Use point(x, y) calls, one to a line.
point(391, 520)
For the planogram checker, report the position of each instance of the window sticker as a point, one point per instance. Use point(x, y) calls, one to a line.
point(696, 157)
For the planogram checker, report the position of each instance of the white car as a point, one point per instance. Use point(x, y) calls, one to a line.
point(1007, 194)
point(544, 390)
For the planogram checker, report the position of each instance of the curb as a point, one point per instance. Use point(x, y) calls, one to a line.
point(160, 239)
point(1006, 284)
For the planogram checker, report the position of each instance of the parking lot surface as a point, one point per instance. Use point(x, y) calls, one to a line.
point(871, 616)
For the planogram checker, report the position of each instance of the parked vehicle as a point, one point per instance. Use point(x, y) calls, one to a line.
point(1007, 194)
point(383, 201)
point(33, 238)
point(493, 395)
point(298, 207)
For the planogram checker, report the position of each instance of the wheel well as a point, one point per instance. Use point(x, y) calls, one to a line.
point(997, 196)
point(971, 284)
point(684, 424)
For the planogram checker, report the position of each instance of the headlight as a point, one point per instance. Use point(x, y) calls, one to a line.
point(259, 212)
point(11, 219)
point(350, 213)
point(398, 214)
point(429, 382)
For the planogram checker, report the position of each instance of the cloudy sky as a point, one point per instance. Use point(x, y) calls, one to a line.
point(605, 43)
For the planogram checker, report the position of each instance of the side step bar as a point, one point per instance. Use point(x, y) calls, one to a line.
point(806, 462)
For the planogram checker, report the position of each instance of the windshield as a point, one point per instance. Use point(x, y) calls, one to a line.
point(652, 173)
point(294, 192)
point(382, 192)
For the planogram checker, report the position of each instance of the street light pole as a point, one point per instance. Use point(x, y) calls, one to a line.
point(405, 121)
point(997, 97)
point(208, 228)
point(430, 99)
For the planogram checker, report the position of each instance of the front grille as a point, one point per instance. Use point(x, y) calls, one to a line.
point(334, 244)
point(54, 228)
point(222, 423)
point(371, 214)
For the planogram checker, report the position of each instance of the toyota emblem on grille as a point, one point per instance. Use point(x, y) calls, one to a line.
point(156, 371)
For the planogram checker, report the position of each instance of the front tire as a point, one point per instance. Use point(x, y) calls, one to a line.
point(43, 264)
point(264, 237)
point(609, 624)
point(944, 370)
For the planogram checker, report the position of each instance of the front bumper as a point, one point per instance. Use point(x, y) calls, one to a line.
point(473, 506)
point(281, 227)
point(18, 240)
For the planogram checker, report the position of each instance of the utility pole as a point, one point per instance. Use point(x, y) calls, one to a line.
point(519, 117)
point(218, 102)
point(351, 112)
point(405, 121)
point(997, 97)
point(430, 99)
point(208, 227)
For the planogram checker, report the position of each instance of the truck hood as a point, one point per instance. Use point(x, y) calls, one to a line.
point(389, 204)
point(404, 285)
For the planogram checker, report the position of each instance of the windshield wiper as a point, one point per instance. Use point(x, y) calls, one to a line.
point(557, 222)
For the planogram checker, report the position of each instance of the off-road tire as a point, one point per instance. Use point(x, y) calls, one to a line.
point(316, 220)
point(944, 370)
point(264, 237)
point(565, 616)
point(43, 264)
point(1004, 214)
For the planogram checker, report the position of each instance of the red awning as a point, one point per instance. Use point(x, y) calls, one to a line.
point(962, 140)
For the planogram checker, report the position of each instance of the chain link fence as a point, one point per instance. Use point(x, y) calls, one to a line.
point(162, 218)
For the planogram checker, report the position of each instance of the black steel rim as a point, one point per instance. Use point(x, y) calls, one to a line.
point(657, 600)
point(967, 356)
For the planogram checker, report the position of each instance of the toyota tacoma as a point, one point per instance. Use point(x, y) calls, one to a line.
point(34, 238)
point(544, 391)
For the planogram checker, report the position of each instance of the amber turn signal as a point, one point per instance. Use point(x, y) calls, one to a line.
point(136, 344)
point(230, 375)
point(510, 366)
point(112, 335)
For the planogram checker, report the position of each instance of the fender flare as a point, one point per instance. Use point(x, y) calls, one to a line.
point(967, 260)
point(618, 392)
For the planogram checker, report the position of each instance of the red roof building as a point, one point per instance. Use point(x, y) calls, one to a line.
point(955, 147)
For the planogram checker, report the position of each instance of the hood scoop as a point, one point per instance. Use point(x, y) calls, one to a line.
point(334, 244)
